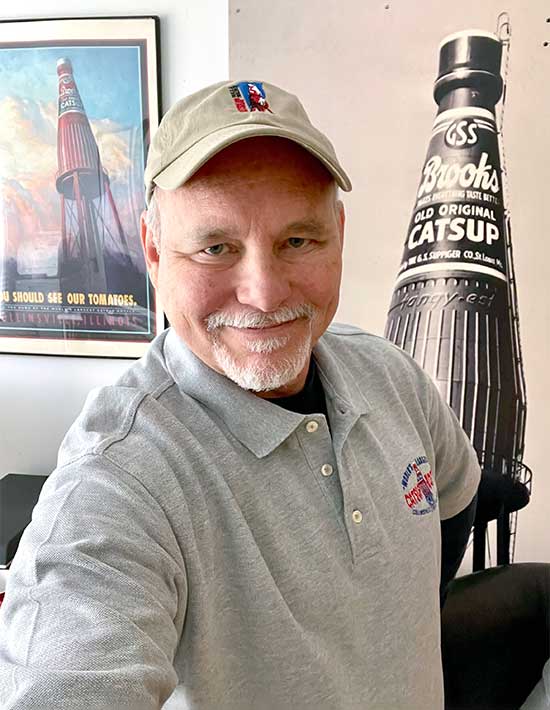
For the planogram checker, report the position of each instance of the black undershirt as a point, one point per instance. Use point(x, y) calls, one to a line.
point(310, 400)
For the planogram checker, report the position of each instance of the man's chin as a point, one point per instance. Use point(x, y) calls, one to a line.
point(263, 371)
point(262, 382)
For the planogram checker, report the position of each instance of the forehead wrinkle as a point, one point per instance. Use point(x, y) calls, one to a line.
point(201, 198)
point(240, 198)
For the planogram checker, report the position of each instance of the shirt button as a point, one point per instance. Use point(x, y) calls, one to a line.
point(312, 426)
point(326, 469)
point(357, 516)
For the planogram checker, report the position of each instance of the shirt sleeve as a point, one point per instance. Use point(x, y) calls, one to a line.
point(456, 466)
point(96, 597)
point(539, 698)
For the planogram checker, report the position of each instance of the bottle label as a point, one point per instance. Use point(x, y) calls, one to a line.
point(69, 98)
point(458, 218)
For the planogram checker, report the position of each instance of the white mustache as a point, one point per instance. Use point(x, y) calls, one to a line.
point(255, 319)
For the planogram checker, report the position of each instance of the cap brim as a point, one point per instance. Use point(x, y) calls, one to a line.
point(183, 167)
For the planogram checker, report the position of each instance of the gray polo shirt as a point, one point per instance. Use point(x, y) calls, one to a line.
point(199, 541)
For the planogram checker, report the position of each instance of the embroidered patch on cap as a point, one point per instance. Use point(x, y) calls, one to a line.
point(249, 96)
point(418, 486)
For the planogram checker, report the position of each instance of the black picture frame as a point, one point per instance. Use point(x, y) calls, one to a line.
point(80, 99)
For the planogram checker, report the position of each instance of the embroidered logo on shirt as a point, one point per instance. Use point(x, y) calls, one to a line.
point(249, 96)
point(418, 487)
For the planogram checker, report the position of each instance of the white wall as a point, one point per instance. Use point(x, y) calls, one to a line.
point(365, 71)
point(40, 396)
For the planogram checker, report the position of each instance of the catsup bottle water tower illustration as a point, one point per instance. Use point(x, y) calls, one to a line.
point(90, 224)
point(454, 305)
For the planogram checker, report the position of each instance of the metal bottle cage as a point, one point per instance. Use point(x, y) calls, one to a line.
point(520, 471)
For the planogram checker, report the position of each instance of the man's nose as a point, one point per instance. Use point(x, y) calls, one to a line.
point(263, 282)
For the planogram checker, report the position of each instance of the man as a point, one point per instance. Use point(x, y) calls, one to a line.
point(239, 524)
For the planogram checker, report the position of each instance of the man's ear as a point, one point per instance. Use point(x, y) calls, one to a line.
point(341, 216)
point(150, 250)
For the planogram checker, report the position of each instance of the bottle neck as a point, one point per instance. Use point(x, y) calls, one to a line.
point(463, 97)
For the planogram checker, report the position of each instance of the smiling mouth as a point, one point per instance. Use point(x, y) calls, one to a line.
point(260, 328)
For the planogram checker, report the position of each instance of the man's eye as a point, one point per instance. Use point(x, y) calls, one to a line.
point(297, 242)
point(215, 250)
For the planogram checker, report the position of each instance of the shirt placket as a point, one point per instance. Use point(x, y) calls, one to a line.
point(359, 514)
point(316, 443)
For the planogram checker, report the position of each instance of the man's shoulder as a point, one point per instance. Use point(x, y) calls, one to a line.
point(353, 343)
point(110, 411)
point(351, 337)
point(372, 362)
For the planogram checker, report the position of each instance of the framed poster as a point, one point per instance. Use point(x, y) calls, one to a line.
point(78, 101)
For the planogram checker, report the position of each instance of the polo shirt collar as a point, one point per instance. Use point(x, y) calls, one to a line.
point(339, 382)
point(257, 423)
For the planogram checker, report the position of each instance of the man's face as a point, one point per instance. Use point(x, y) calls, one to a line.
point(250, 262)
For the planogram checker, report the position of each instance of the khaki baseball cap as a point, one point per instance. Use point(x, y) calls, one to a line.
point(203, 124)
